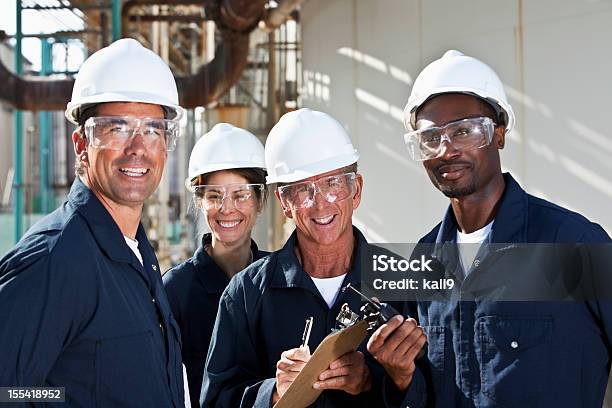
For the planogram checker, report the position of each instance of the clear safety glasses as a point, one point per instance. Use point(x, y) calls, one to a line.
point(466, 134)
point(242, 196)
point(113, 132)
point(332, 188)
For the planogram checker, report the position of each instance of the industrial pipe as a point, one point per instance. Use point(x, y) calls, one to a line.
point(234, 18)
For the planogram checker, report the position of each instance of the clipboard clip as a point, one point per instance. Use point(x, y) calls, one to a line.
point(374, 312)
point(346, 318)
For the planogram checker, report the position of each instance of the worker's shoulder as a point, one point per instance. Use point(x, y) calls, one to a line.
point(553, 212)
point(566, 224)
point(180, 276)
point(255, 277)
point(430, 237)
point(58, 237)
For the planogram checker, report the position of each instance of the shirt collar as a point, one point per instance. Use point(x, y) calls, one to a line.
point(210, 275)
point(510, 221)
point(103, 227)
point(290, 273)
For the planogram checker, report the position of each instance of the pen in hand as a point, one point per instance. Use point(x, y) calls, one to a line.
point(307, 329)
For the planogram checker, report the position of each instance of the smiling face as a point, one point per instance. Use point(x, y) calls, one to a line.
point(228, 224)
point(461, 173)
point(326, 223)
point(128, 176)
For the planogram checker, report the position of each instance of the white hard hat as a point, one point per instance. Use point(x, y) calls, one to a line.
point(305, 143)
point(456, 72)
point(225, 147)
point(125, 71)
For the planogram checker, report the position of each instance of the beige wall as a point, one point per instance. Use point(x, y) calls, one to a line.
point(360, 58)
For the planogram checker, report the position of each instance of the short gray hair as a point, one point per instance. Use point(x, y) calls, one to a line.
point(351, 168)
point(88, 112)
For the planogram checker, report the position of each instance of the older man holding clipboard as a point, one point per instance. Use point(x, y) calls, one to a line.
point(254, 355)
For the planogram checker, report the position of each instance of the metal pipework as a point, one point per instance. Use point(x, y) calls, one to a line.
point(18, 200)
point(276, 16)
point(234, 18)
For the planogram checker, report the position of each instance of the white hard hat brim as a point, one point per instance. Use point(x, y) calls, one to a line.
point(414, 105)
point(73, 108)
point(220, 167)
point(315, 169)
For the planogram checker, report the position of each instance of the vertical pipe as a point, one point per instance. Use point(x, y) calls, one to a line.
point(29, 143)
point(116, 8)
point(45, 132)
point(18, 145)
point(277, 237)
point(298, 63)
point(163, 249)
point(271, 80)
point(282, 68)
point(103, 29)
point(185, 147)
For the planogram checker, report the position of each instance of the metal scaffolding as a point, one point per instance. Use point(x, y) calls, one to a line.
point(222, 72)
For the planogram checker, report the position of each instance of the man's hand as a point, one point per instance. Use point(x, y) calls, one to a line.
point(395, 345)
point(349, 373)
point(288, 367)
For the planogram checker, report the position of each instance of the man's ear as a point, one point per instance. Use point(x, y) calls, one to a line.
point(499, 137)
point(358, 190)
point(286, 210)
point(80, 145)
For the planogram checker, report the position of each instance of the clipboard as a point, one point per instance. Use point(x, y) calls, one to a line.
point(300, 393)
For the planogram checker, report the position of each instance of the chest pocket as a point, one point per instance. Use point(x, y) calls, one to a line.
point(128, 372)
point(514, 358)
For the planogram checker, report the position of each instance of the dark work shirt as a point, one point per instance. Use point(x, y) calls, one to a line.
point(78, 310)
point(517, 353)
point(261, 314)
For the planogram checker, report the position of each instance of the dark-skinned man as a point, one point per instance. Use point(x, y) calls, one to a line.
point(497, 353)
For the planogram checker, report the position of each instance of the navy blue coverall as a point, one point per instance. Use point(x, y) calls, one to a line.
point(261, 314)
point(194, 288)
point(517, 353)
point(78, 310)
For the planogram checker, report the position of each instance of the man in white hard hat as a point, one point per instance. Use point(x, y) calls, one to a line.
point(82, 305)
point(255, 352)
point(497, 353)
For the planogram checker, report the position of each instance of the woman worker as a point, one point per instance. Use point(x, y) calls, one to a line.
point(227, 179)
